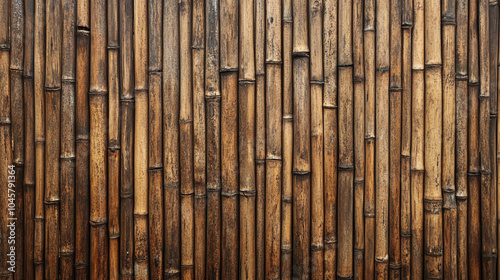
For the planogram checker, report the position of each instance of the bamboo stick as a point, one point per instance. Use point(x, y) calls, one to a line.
point(98, 97)
point(246, 109)
point(155, 158)
point(213, 144)
point(229, 136)
point(448, 23)
point(287, 154)
point(461, 135)
point(382, 141)
point(82, 127)
point(369, 194)
point(316, 80)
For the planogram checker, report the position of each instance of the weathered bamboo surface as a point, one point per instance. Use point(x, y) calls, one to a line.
point(250, 139)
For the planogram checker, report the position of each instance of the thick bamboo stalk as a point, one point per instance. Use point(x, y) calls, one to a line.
point(369, 106)
point(382, 141)
point(246, 109)
point(213, 137)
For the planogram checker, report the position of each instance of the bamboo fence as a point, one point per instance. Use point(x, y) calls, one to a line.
point(251, 139)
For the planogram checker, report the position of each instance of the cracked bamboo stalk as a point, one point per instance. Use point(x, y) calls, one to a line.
point(213, 136)
point(68, 157)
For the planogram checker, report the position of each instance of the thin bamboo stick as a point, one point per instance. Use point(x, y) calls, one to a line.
point(370, 82)
point(213, 144)
point(246, 109)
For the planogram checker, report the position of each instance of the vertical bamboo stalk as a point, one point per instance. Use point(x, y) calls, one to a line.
point(213, 144)
point(406, 118)
point(474, 227)
point(53, 132)
point(229, 136)
point(126, 130)
point(200, 198)
point(171, 81)
point(461, 135)
point(68, 157)
point(448, 23)
point(155, 172)
point(246, 109)
point(287, 141)
point(316, 81)
point(382, 142)
point(113, 140)
point(370, 82)
point(82, 126)
point(98, 97)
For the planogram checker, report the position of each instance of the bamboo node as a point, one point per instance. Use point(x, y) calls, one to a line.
point(395, 266)
point(50, 89)
point(300, 54)
point(16, 70)
point(37, 263)
point(171, 273)
point(360, 181)
point(277, 62)
point(5, 47)
point(461, 77)
point(68, 158)
point(188, 121)
point(200, 196)
point(39, 219)
point(433, 206)
point(417, 69)
point(139, 90)
point(461, 197)
point(248, 193)
point(448, 20)
point(212, 98)
point(345, 65)
point(371, 137)
point(155, 168)
point(287, 199)
point(493, 3)
point(406, 234)
point(301, 172)
point(244, 82)
point(187, 194)
point(67, 253)
point(413, 170)
point(368, 29)
point(260, 161)
point(126, 195)
point(358, 79)
point(98, 223)
point(316, 248)
point(114, 236)
point(317, 82)
point(286, 251)
point(52, 202)
point(329, 106)
point(98, 92)
point(68, 80)
point(81, 265)
point(228, 70)
point(474, 173)
point(359, 250)
point(113, 47)
point(345, 167)
point(229, 194)
point(473, 84)
point(434, 253)
point(395, 89)
point(287, 117)
point(287, 20)
point(384, 259)
point(331, 241)
point(155, 72)
point(84, 29)
point(194, 47)
point(405, 156)
point(433, 65)
point(260, 73)
point(382, 69)
point(486, 172)
point(369, 215)
point(407, 25)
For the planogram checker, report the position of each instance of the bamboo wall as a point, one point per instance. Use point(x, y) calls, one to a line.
point(252, 139)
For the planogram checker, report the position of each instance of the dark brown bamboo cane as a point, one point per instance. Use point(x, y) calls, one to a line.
point(200, 198)
point(406, 118)
point(98, 97)
point(82, 126)
point(287, 129)
point(246, 109)
point(68, 156)
point(382, 141)
point(53, 133)
point(302, 140)
point(359, 132)
point(29, 137)
point(395, 89)
point(369, 195)
point(474, 227)
point(229, 137)
point(17, 120)
point(461, 135)
point(316, 81)
point(213, 144)
point(448, 24)
point(155, 140)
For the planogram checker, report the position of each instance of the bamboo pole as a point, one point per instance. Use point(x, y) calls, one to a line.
point(126, 130)
point(246, 109)
point(155, 157)
point(316, 81)
point(213, 137)
point(29, 137)
point(229, 137)
point(370, 87)
point(474, 228)
point(287, 154)
point(448, 23)
point(382, 141)
point(82, 127)
point(98, 97)
point(461, 135)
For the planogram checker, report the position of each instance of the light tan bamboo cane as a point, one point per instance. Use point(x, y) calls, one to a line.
point(302, 139)
point(316, 81)
point(369, 195)
point(29, 137)
point(98, 97)
point(461, 135)
point(171, 179)
point(287, 154)
point(200, 198)
point(382, 141)
point(406, 118)
point(82, 191)
point(246, 109)
point(213, 144)
point(474, 218)
point(53, 133)
point(229, 137)
point(448, 24)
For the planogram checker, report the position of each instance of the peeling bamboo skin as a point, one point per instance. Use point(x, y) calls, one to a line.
point(255, 139)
